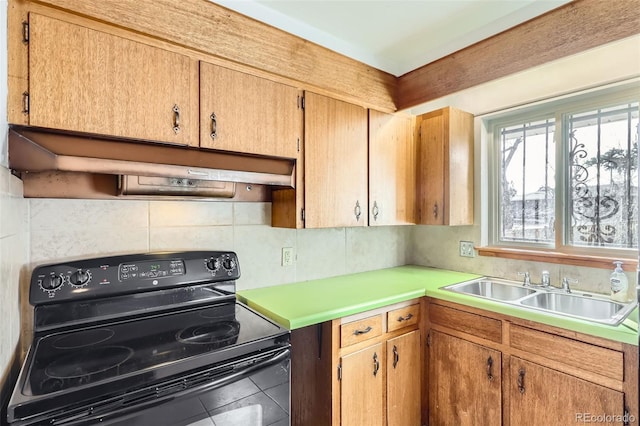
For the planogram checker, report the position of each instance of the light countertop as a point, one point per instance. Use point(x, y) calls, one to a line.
point(298, 305)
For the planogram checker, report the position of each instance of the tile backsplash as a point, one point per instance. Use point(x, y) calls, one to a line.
point(64, 229)
point(13, 260)
point(437, 246)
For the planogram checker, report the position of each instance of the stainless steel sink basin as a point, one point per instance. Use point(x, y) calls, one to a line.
point(576, 306)
point(584, 306)
point(492, 289)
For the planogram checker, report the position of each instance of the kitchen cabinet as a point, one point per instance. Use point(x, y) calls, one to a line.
point(465, 382)
point(362, 386)
point(392, 169)
point(355, 161)
point(488, 368)
point(403, 384)
point(543, 396)
point(249, 114)
point(86, 80)
point(335, 163)
point(445, 167)
point(361, 369)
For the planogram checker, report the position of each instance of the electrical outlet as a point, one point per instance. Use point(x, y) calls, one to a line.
point(466, 249)
point(287, 256)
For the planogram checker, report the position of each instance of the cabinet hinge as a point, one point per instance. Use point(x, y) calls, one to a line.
point(25, 32)
point(25, 102)
point(302, 215)
point(339, 371)
point(429, 339)
point(298, 145)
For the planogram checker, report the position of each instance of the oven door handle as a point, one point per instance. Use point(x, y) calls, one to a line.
point(109, 411)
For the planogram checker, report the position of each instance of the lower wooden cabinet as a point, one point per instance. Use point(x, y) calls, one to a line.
point(362, 387)
point(403, 379)
point(359, 370)
point(465, 382)
point(477, 368)
point(491, 369)
point(543, 396)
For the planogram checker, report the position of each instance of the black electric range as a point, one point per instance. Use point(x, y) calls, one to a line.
point(131, 339)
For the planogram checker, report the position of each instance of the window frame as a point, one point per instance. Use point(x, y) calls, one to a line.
point(559, 110)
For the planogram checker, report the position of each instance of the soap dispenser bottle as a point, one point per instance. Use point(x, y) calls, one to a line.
point(619, 284)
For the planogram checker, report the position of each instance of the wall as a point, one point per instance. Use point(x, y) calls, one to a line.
point(64, 229)
point(13, 260)
point(437, 246)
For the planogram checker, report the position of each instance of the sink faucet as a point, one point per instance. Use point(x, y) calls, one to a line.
point(545, 279)
point(565, 284)
point(526, 282)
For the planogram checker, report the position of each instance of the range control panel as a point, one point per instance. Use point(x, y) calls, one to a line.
point(108, 276)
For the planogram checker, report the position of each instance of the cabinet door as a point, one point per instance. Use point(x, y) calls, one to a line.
point(86, 80)
point(403, 380)
point(362, 386)
point(335, 163)
point(464, 383)
point(445, 168)
point(244, 113)
point(542, 396)
point(392, 169)
point(431, 169)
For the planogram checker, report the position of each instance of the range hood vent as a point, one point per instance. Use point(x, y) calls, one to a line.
point(40, 150)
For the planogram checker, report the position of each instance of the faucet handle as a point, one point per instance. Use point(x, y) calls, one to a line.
point(527, 279)
point(565, 283)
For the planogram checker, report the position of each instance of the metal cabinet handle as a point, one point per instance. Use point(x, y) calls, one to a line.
point(435, 210)
point(396, 357)
point(490, 368)
point(375, 210)
point(214, 125)
point(176, 119)
point(357, 211)
point(521, 380)
point(407, 318)
point(365, 331)
point(25, 102)
point(376, 364)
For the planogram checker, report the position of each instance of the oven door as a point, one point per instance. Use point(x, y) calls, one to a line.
point(257, 394)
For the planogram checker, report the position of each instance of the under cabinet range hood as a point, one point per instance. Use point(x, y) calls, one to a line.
point(40, 150)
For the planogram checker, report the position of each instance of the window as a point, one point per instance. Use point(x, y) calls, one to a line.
point(564, 176)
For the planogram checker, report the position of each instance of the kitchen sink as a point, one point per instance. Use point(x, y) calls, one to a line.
point(492, 289)
point(551, 300)
point(576, 306)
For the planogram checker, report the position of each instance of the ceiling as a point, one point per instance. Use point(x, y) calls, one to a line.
point(396, 36)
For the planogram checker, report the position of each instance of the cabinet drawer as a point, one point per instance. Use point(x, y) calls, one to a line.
point(477, 325)
point(403, 317)
point(596, 359)
point(360, 330)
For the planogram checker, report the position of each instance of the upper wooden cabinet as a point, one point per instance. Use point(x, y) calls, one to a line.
point(445, 167)
point(85, 80)
point(335, 157)
point(245, 113)
point(392, 169)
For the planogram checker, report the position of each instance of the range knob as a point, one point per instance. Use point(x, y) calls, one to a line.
point(213, 264)
point(79, 278)
point(52, 282)
point(229, 264)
